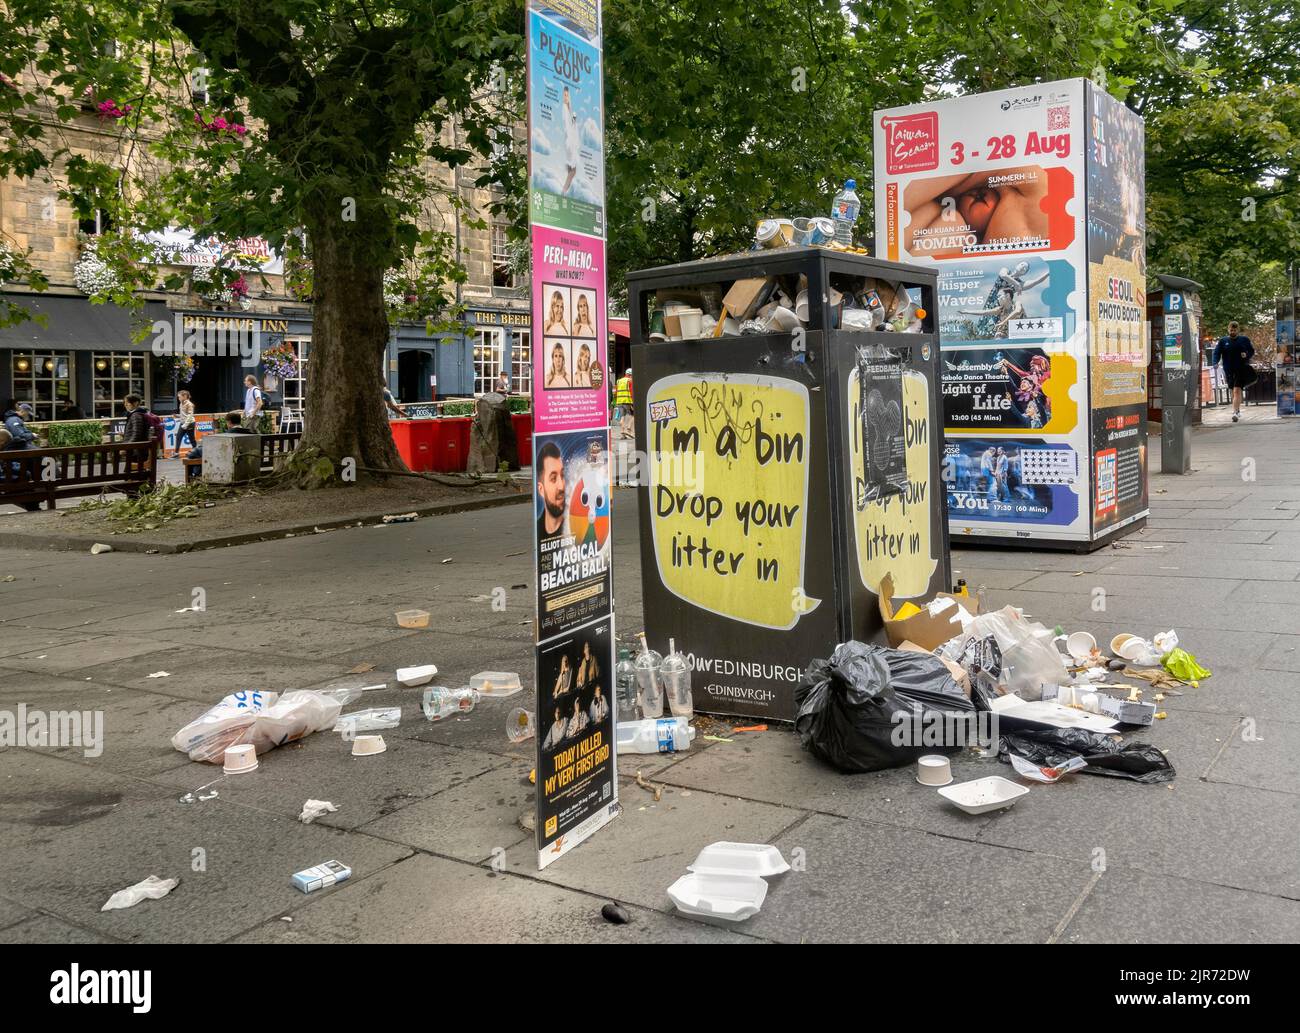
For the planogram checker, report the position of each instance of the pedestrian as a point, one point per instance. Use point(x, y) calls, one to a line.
point(1235, 352)
point(623, 404)
point(187, 425)
point(253, 402)
point(138, 425)
point(390, 403)
point(503, 383)
point(16, 437)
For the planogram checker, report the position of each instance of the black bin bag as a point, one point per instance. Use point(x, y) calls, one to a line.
point(870, 707)
point(1051, 747)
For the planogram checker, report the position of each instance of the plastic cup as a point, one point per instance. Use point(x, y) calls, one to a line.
point(520, 725)
point(368, 745)
point(933, 770)
point(240, 760)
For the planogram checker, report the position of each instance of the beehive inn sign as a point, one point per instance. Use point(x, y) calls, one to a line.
point(216, 336)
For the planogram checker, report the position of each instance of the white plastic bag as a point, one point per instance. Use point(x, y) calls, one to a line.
point(1030, 658)
point(152, 888)
point(264, 719)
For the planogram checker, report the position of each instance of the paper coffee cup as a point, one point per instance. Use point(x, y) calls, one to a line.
point(240, 760)
point(690, 321)
point(933, 769)
point(368, 745)
point(1080, 645)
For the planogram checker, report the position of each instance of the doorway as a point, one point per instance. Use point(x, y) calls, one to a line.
point(414, 370)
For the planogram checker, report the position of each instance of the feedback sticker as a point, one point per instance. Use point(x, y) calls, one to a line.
point(728, 479)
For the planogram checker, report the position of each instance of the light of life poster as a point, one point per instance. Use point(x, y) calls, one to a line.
point(571, 375)
point(566, 130)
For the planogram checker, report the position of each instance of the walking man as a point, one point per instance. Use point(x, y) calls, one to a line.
point(1235, 352)
point(253, 402)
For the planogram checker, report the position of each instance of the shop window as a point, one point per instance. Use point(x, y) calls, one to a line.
point(43, 379)
point(487, 360)
point(521, 363)
point(114, 375)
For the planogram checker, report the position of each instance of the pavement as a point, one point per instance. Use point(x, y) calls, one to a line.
point(431, 829)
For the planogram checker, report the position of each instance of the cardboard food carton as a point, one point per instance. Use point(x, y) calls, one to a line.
point(747, 296)
point(927, 630)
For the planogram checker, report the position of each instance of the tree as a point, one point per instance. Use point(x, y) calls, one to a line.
point(322, 119)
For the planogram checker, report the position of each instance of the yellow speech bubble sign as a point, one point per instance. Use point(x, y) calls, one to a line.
point(728, 481)
point(893, 535)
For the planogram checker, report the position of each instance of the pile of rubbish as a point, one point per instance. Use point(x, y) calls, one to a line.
point(998, 684)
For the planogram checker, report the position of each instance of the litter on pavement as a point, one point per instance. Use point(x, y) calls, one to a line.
point(152, 888)
point(727, 883)
point(314, 809)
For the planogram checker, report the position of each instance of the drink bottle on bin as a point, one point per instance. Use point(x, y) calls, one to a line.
point(844, 211)
point(677, 682)
point(649, 680)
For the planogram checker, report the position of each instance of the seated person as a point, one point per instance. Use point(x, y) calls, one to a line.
point(234, 425)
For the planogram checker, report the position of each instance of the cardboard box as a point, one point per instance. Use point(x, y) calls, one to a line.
point(747, 296)
point(958, 672)
point(929, 631)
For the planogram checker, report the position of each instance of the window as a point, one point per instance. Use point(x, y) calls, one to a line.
point(487, 360)
point(521, 363)
point(199, 85)
point(501, 274)
point(96, 223)
point(43, 379)
point(294, 389)
point(114, 376)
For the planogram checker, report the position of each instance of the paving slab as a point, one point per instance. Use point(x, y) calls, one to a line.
point(1138, 908)
point(321, 767)
point(68, 845)
point(1259, 752)
point(469, 821)
point(867, 883)
point(458, 903)
point(69, 657)
point(44, 929)
point(643, 851)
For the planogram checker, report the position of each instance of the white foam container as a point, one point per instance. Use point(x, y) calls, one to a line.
point(732, 898)
point(412, 676)
point(984, 794)
point(739, 859)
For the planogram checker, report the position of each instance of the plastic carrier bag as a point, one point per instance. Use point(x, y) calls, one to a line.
point(264, 719)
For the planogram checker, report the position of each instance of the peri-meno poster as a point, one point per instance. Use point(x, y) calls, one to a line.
point(990, 190)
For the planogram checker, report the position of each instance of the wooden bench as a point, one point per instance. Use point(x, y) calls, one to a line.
point(272, 446)
point(49, 474)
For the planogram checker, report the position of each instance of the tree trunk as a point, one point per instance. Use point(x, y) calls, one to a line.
point(346, 417)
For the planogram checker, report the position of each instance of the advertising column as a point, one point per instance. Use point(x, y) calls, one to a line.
point(1117, 305)
point(577, 789)
point(995, 191)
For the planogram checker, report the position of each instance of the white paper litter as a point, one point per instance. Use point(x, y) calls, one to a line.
point(152, 888)
point(1029, 769)
point(314, 809)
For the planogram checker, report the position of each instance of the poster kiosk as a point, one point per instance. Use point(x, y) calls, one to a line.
point(786, 473)
point(1029, 206)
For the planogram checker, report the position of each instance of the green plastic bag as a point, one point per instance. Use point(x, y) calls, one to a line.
point(1181, 664)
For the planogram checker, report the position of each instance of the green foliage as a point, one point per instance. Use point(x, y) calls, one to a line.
point(150, 509)
point(519, 404)
point(457, 409)
point(65, 435)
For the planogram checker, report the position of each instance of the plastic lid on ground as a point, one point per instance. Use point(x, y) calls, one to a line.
point(739, 859)
point(496, 683)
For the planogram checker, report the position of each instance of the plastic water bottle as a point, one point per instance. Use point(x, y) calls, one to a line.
point(440, 701)
point(649, 680)
point(677, 682)
point(844, 210)
point(654, 735)
point(625, 685)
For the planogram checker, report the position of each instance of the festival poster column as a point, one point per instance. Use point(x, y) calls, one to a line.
point(1117, 305)
point(990, 190)
point(577, 787)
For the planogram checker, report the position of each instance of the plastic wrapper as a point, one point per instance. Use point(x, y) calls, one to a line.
point(1103, 754)
point(264, 719)
point(1181, 664)
point(1028, 657)
point(855, 707)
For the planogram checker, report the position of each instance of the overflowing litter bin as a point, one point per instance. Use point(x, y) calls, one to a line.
point(790, 430)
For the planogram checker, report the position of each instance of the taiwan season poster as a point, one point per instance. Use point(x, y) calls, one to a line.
point(1002, 480)
point(572, 510)
point(566, 130)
